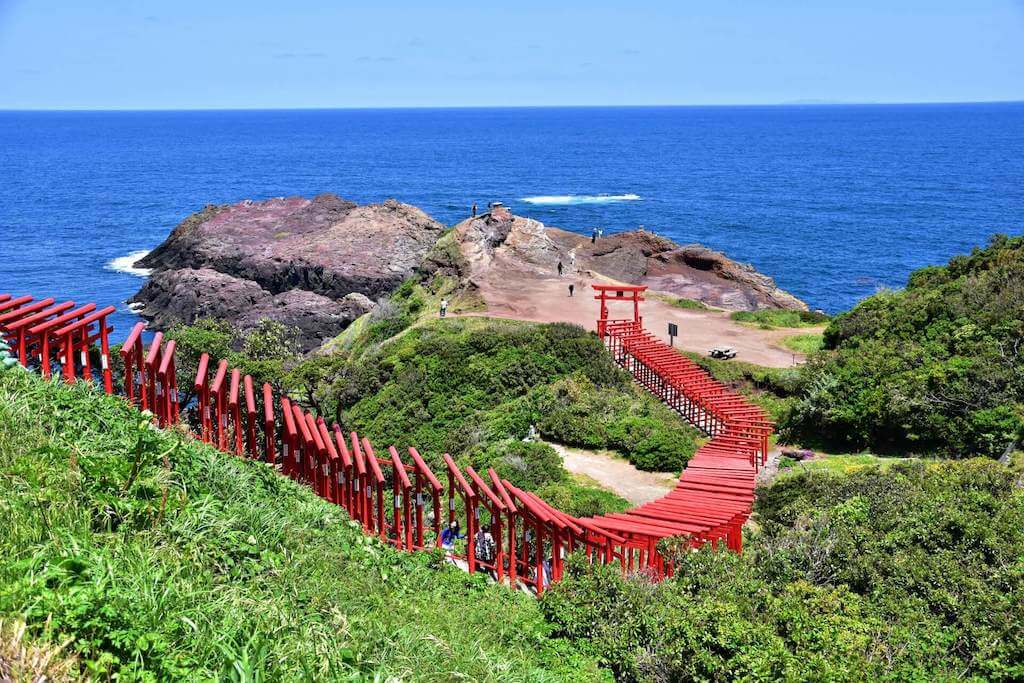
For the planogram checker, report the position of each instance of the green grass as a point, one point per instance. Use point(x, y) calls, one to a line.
point(840, 463)
point(166, 560)
point(771, 388)
point(803, 343)
point(772, 318)
point(690, 304)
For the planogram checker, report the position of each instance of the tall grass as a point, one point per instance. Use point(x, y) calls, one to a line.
point(165, 560)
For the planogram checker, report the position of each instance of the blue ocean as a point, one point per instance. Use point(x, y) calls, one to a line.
point(833, 201)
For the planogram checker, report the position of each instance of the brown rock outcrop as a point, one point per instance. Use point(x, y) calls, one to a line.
point(490, 251)
point(186, 294)
point(294, 260)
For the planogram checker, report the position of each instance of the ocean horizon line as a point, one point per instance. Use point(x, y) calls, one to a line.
point(470, 107)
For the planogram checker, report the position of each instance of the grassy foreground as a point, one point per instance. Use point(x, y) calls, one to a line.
point(165, 560)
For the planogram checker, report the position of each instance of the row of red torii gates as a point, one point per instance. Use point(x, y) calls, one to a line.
point(395, 494)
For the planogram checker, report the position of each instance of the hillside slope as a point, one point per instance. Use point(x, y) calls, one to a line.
point(935, 368)
point(166, 560)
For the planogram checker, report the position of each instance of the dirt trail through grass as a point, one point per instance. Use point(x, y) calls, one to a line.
point(616, 474)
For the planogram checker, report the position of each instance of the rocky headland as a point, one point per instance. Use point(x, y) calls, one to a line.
point(318, 264)
point(493, 246)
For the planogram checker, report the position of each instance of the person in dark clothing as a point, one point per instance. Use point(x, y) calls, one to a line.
point(571, 288)
point(474, 209)
point(593, 236)
point(560, 268)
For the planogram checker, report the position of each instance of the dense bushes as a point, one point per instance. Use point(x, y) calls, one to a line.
point(916, 573)
point(938, 367)
point(578, 413)
point(165, 560)
point(462, 385)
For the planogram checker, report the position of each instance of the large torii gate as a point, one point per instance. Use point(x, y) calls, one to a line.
point(609, 293)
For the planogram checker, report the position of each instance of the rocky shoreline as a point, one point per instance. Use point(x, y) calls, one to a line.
point(318, 264)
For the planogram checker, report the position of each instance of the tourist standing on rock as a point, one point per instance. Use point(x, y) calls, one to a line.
point(474, 209)
point(444, 307)
point(560, 269)
point(593, 236)
point(571, 288)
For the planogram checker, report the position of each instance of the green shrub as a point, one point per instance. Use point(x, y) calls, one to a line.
point(528, 465)
point(933, 368)
point(911, 573)
point(464, 386)
point(577, 413)
point(579, 500)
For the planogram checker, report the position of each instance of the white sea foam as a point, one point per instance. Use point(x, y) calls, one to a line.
point(581, 198)
point(126, 264)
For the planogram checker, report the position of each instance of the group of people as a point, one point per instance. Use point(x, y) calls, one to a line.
point(572, 269)
point(594, 236)
point(485, 549)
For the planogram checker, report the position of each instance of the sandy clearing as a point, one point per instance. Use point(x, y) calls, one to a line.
point(616, 474)
point(520, 295)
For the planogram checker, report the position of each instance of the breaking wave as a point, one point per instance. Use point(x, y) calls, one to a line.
point(126, 264)
point(581, 198)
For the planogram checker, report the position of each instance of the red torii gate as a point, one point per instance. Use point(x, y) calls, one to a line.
point(608, 293)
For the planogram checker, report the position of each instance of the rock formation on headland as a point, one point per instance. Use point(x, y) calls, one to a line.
point(315, 263)
point(318, 264)
point(493, 246)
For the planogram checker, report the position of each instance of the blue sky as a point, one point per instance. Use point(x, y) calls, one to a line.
point(117, 54)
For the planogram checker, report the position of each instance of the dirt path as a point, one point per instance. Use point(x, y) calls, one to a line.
point(770, 470)
point(528, 296)
point(616, 474)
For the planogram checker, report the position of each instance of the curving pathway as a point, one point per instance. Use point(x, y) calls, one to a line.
point(510, 533)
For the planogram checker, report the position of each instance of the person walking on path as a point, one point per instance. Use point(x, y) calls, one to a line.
point(450, 535)
point(560, 268)
point(444, 307)
point(571, 288)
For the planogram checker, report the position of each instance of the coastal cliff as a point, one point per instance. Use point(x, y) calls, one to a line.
point(499, 248)
point(318, 264)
